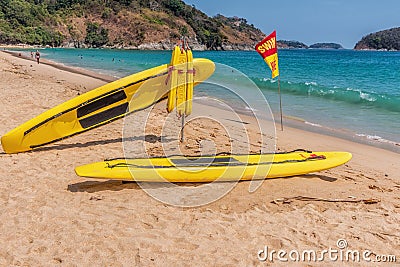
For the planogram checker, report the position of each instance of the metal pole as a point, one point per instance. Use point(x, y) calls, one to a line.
point(182, 128)
point(280, 100)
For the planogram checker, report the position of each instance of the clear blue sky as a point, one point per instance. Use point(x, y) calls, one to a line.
point(311, 21)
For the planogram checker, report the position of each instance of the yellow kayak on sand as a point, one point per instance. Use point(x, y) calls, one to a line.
point(209, 168)
point(97, 107)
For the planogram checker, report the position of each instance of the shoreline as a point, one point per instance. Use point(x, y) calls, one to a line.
point(60, 66)
point(51, 216)
point(344, 134)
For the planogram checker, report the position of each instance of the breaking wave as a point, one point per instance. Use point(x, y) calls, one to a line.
point(349, 95)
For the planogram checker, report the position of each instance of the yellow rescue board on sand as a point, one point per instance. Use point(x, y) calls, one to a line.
point(97, 107)
point(208, 169)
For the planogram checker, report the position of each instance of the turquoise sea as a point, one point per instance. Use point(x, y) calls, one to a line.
point(343, 92)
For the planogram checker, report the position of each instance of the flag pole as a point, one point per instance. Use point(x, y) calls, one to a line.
point(280, 100)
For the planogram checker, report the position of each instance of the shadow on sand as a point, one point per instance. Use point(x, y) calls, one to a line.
point(150, 138)
point(116, 185)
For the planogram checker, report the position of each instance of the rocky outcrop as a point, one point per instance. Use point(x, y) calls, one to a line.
point(243, 47)
point(388, 40)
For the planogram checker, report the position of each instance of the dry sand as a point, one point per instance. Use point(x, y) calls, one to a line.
point(49, 216)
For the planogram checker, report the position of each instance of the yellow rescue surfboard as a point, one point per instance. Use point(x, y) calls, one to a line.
point(208, 168)
point(96, 108)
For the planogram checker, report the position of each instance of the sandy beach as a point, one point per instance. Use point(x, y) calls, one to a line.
point(49, 216)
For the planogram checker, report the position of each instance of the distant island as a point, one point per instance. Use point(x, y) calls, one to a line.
point(299, 45)
point(291, 44)
point(326, 46)
point(383, 40)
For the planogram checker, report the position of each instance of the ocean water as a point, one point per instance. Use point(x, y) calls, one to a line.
point(356, 93)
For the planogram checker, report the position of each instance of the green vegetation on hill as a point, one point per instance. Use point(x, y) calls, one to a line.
point(96, 36)
point(27, 22)
point(382, 40)
point(118, 23)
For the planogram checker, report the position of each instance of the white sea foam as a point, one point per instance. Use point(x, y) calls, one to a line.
point(376, 138)
point(311, 83)
point(313, 124)
point(351, 89)
point(363, 95)
point(201, 97)
point(367, 97)
point(251, 109)
point(268, 80)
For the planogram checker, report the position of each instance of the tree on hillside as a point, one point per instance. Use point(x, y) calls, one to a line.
point(96, 35)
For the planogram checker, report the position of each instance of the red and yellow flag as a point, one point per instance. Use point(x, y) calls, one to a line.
point(268, 50)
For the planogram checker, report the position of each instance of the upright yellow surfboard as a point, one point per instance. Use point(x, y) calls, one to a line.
point(189, 83)
point(181, 73)
point(181, 70)
point(177, 84)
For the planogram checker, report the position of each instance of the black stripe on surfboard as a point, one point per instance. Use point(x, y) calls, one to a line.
point(234, 163)
point(95, 126)
point(202, 161)
point(86, 103)
point(104, 115)
point(101, 103)
point(225, 154)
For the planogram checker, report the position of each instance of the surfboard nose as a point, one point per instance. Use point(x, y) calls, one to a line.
point(11, 143)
